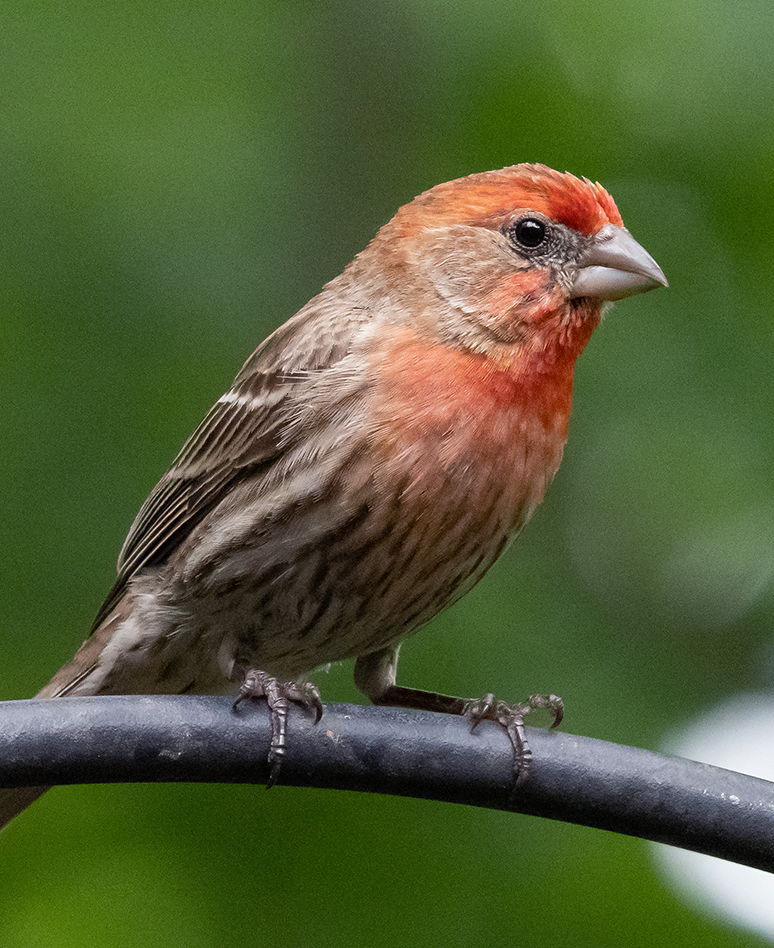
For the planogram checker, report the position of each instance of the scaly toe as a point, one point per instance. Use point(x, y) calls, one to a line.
point(278, 694)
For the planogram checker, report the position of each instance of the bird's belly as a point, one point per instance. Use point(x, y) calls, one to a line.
point(367, 559)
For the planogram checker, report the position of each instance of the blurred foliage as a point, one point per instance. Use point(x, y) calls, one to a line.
point(178, 178)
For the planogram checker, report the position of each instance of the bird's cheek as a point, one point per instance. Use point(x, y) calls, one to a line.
point(522, 299)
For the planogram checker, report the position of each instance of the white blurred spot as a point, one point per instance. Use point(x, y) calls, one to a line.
point(738, 735)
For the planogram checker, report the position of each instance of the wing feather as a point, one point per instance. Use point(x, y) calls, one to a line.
point(248, 429)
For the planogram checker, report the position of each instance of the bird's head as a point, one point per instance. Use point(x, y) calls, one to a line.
point(525, 255)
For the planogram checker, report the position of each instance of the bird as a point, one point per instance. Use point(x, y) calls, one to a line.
point(373, 458)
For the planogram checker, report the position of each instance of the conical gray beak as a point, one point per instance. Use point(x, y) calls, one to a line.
point(615, 266)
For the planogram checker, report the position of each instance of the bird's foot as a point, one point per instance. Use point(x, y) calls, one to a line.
point(511, 718)
point(278, 695)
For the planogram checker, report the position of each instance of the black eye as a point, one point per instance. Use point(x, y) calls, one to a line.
point(529, 232)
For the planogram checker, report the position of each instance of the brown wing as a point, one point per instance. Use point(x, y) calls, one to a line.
point(246, 430)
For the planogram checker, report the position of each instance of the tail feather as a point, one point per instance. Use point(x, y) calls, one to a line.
point(14, 800)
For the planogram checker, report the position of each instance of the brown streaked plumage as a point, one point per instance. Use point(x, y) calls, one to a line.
point(374, 456)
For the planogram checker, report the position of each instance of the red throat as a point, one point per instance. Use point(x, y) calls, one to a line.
point(434, 391)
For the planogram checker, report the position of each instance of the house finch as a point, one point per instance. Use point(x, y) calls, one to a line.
point(373, 458)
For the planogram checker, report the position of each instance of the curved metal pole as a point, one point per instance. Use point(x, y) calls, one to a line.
point(386, 750)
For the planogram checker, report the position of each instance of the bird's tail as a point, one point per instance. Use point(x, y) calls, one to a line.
point(13, 800)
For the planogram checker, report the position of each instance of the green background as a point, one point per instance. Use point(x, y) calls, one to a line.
point(176, 179)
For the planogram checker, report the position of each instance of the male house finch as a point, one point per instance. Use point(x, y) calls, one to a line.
point(372, 459)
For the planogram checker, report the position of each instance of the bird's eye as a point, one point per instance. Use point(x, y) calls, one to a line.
point(529, 232)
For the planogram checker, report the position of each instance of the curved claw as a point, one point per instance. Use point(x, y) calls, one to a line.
point(552, 703)
point(511, 718)
point(278, 695)
point(313, 700)
point(480, 709)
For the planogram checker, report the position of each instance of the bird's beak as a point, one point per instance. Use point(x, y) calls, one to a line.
point(615, 266)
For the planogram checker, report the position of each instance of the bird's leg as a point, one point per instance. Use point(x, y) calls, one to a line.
point(278, 695)
point(375, 676)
